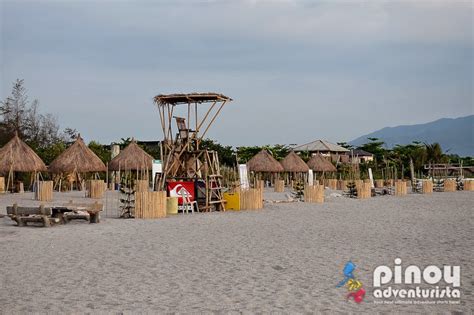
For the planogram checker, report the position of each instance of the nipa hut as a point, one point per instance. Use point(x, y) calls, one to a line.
point(295, 168)
point(264, 166)
point(320, 165)
point(77, 161)
point(17, 156)
point(132, 159)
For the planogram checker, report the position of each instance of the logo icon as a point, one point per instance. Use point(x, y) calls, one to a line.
point(354, 286)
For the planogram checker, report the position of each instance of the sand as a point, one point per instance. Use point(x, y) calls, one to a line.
point(286, 258)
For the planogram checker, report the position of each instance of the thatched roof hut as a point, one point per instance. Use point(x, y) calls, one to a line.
point(292, 163)
point(264, 162)
point(319, 164)
point(78, 158)
point(131, 158)
point(17, 156)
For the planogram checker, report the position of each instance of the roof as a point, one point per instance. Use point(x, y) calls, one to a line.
point(77, 158)
point(175, 99)
point(293, 163)
point(264, 162)
point(17, 156)
point(320, 146)
point(131, 158)
point(359, 152)
point(319, 164)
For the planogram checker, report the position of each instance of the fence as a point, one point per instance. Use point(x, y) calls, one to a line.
point(449, 185)
point(279, 186)
point(251, 199)
point(2, 185)
point(469, 185)
point(314, 194)
point(400, 188)
point(44, 191)
point(427, 187)
point(150, 204)
point(95, 188)
point(141, 185)
point(364, 190)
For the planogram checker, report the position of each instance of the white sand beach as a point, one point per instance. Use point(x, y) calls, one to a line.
point(286, 258)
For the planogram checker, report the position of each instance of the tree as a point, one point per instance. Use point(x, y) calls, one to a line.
point(103, 152)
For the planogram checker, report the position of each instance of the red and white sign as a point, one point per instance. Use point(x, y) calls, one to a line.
point(178, 189)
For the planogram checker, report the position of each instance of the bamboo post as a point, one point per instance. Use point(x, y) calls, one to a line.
point(95, 188)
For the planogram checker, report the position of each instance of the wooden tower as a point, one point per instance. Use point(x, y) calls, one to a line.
point(182, 156)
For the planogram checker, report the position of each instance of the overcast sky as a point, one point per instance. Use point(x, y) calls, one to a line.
point(297, 70)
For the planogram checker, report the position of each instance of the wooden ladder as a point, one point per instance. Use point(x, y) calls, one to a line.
point(214, 182)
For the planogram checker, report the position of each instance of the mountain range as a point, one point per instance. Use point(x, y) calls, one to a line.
point(455, 135)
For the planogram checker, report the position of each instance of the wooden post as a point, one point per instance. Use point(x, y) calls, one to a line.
point(2, 185)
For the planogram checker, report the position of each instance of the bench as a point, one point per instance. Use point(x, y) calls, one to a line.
point(23, 215)
point(78, 211)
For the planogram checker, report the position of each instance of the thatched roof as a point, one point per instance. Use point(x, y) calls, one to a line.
point(175, 99)
point(263, 162)
point(77, 158)
point(319, 164)
point(293, 163)
point(17, 156)
point(131, 158)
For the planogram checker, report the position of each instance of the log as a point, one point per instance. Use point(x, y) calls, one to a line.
point(24, 211)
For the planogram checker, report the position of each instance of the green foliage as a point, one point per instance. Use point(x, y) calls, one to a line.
point(278, 151)
point(49, 153)
point(226, 153)
point(102, 151)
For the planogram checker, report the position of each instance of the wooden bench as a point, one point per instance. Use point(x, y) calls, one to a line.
point(23, 215)
point(78, 211)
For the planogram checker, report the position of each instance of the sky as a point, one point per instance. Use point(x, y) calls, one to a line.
point(296, 70)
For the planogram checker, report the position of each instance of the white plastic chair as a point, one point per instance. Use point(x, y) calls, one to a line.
point(187, 202)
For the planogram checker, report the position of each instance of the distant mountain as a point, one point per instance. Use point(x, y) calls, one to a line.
point(456, 135)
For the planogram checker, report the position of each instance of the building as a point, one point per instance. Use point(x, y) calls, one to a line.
point(361, 156)
point(327, 149)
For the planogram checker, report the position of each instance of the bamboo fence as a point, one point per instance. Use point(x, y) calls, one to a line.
point(44, 191)
point(279, 186)
point(400, 188)
point(378, 183)
point(259, 184)
point(251, 199)
point(449, 185)
point(150, 204)
point(427, 187)
point(2, 185)
point(95, 188)
point(314, 194)
point(364, 190)
point(469, 185)
point(141, 185)
point(342, 184)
